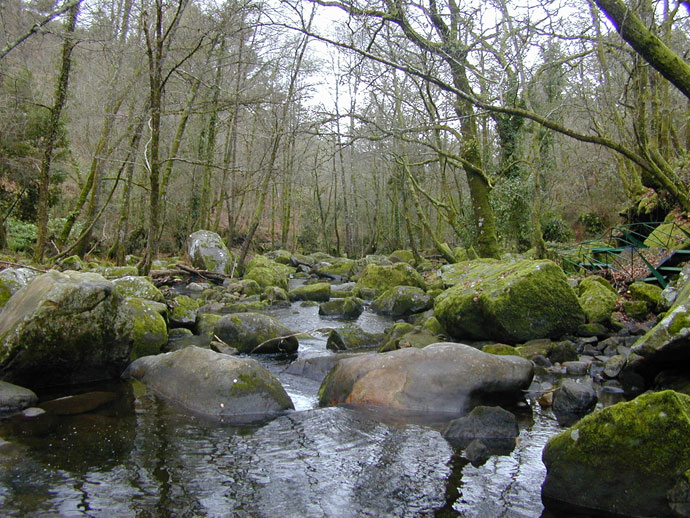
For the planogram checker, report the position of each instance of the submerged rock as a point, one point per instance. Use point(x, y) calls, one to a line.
point(483, 422)
point(572, 401)
point(443, 378)
point(207, 251)
point(630, 455)
point(255, 333)
point(224, 387)
point(508, 302)
point(62, 329)
point(348, 308)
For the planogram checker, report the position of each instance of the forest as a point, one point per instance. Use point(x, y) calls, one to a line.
point(346, 126)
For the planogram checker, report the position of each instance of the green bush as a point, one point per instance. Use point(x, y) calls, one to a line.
point(555, 229)
point(21, 236)
point(594, 224)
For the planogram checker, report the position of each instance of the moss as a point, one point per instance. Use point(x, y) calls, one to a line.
point(341, 267)
point(501, 349)
point(669, 235)
point(149, 331)
point(590, 281)
point(636, 309)
point(267, 273)
point(381, 278)
point(402, 256)
point(184, 308)
point(597, 299)
point(645, 292)
point(320, 292)
point(508, 302)
point(432, 324)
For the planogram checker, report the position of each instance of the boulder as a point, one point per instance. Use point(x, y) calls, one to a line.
point(115, 272)
point(509, 302)
point(646, 292)
point(623, 459)
point(381, 278)
point(402, 301)
point(147, 328)
point(136, 286)
point(62, 329)
point(348, 308)
point(12, 280)
point(336, 268)
point(316, 367)
point(255, 333)
point(487, 423)
point(446, 379)
point(225, 387)
point(573, 400)
point(267, 273)
point(14, 398)
point(669, 235)
point(418, 338)
point(402, 256)
point(319, 292)
point(207, 251)
point(352, 338)
point(184, 311)
point(597, 298)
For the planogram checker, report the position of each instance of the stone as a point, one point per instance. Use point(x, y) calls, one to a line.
point(646, 292)
point(256, 333)
point(208, 252)
point(267, 273)
point(509, 302)
point(316, 367)
point(226, 387)
point(381, 278)
point(348, 308)
point(637, 309)
point(402, 301)
point(418, 338)
point(12, 280)
point(402, 256)
point(319, 292)
point(614, 365)
point(477, 452)
point(14, 398)
point(275, 295)
point(148, 331)
point(483, 422)
point(184, 311)
point(598, 299)
point(446, 379)
point(632, 454)
point(573, 400)
point(352, 338)
point(336, 268)
point(64, 328)
point(136, 286)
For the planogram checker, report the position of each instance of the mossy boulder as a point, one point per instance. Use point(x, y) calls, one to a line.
point(456, 273)
point(434, 326)
point(206, 324)
point(668, 342)
point(352, 338)
point(136, 286)
point(348, 308)
point(275, 295)
point(63, 328)
point(184, 311)
point(632, 455)
point(249, 288)
point(266, 272)
point(402, 256)
point(402, 301)
point(280, 256)
point(381, 278)
point(73, 262)
point(207, 251)
point(115, 272)
point(509, 303)
point(319, 292)
point(446, 379)
point(256, 333)
point(416, 337)
point(649, 293)
point(225, 387)
point(501, 349)
point(670, 235)
point(636, 309)
point(338, 268)
point(12, 280)
point(598, 299)
point(147, 327)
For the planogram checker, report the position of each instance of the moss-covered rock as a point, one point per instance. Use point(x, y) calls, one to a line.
point(249, 288)
point(351, 338)
point(319, 292)
point(631, 453)
point(73, 262)
point(338, 268)
point(207, 251)
point(381, 278)
point(669, 235)
point(636, 309)
point(646, 292)
point(501, 349)
point(12, 280)
point(348, 308)
point(275, 295)
point(135, 286)
point(267, 273)
point(115, 272)
point(597, 298)
point(434, 326)
point(147, 328)
point(402, 256)
point(255, 333)
point(509, 303)
point(224, 387)
point(417, 338)
point(62, 329)
point(184, 311)
point(402, 301)
point(280, 256)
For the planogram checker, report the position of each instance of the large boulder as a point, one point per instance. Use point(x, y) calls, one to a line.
point(402, 301)
point(319, 292)
point(12, 280)
point(266, 272)
point(627, 459)
point(255, 333)
point(597, 298)
point(148, 330)
point(337, 268)
point(348, 308)
point(509, 302)
point(446, 379)
point(352, 338)
point(137, 286)
point(14, 397)
point(207, 251)
point(62, 329)
point(377, 278)
point(224, 387)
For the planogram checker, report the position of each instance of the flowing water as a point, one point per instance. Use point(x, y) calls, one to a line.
point(138, 457)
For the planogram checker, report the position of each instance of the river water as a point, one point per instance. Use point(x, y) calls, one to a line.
point(136, 456)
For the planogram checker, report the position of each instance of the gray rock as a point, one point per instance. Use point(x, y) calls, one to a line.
point(348, 308)
point(443, 378)
point(352, 338)
point(316, 367)
point(14, 397)
point(255, 333)
point(402, 301)
point(614, 365)
point(485, 423)
point(12, 280)
point(573, 400)
point(225, 387)
point(136, 286)
point(207, 251)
